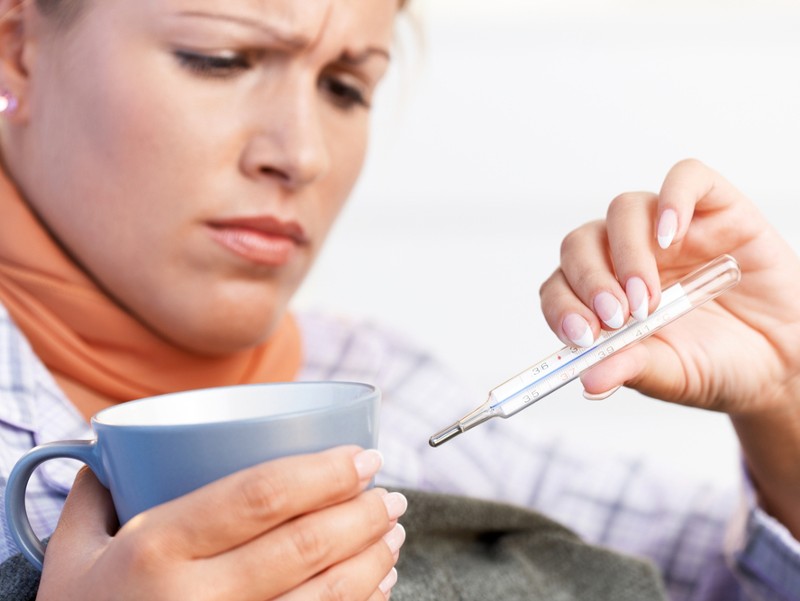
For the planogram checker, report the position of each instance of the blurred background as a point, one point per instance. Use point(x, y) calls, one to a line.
point(505, 124)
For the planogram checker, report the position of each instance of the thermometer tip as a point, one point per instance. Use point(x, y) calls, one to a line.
point(445, 435)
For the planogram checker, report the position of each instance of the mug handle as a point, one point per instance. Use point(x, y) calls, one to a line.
point(16, 514)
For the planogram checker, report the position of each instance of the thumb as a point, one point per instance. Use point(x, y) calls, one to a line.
point(88, 519)
point(84, 531)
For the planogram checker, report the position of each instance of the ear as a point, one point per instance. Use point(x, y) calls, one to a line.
point(16, 52)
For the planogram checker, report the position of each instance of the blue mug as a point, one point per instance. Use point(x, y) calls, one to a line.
point(153, 450)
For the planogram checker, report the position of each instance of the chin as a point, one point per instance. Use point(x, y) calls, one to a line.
point(225, 343)
point(226, 320)
point(219, 336)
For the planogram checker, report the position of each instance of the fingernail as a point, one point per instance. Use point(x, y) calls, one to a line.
point(667, 226)
point(391, 579)
point(395, 538)
point(577, 330)
point(396, 505)
point(609, 310)
point(368, 463)
point(600, 395)
point(636, 291)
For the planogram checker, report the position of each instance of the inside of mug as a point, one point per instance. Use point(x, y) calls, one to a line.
point(233, 403)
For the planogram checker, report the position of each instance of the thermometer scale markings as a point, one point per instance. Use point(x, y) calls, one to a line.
point(567, 364)
point(562, 367)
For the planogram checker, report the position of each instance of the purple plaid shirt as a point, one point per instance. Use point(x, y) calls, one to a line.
point(710, 545)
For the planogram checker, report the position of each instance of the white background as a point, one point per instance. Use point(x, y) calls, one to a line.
point(506, 123)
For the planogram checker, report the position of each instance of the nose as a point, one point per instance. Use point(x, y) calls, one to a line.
point(289, 143)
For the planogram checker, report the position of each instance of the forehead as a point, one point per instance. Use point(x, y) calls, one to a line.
point(304, 21)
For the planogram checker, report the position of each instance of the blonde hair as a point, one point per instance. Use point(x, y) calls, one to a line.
point(63, 12)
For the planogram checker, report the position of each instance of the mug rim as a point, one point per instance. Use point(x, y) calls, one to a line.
point(368, 391)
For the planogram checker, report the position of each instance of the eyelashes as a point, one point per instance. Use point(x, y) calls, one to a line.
point(343, 93)
point(213, 65)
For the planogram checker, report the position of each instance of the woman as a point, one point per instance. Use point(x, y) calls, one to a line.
point(173, 168)
point(241, 127)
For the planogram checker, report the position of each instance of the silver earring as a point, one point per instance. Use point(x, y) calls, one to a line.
point(8, 102)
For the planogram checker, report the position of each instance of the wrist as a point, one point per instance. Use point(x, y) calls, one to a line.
point(771, 447)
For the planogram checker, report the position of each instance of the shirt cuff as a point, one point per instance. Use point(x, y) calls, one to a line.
point(762, 552)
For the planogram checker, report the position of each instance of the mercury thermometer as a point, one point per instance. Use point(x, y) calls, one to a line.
point(560, 368)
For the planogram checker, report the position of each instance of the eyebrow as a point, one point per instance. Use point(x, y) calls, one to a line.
point(363, 56)
point(290, 40)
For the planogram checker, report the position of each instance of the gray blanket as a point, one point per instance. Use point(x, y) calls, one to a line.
point(460, 549)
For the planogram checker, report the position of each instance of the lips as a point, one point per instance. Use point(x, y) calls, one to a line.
point(264, 240)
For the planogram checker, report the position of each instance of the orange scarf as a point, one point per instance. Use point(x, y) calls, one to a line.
point(98, 352)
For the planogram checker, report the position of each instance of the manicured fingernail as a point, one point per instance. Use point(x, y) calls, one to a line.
point(600, 395)
point(388, 582)
point(609, 310)
point(667, 226)
point(395, 538)
point(368, 463)
point(636, 291)
point(577, 330)
point(396, 505)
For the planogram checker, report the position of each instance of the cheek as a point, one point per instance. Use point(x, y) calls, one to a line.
point(103, 170)
point(129, 148)
point(99, 134)
point(348, 152)
point(123, 168)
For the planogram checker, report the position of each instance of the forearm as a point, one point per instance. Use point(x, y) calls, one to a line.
point(771, 445)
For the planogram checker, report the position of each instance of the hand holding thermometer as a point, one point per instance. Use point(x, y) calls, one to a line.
point(550, 374)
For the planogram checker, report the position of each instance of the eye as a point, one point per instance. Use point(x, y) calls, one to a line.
point(345, 95)
point(213, 65)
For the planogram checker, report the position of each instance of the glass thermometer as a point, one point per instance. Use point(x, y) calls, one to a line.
point(560, 368)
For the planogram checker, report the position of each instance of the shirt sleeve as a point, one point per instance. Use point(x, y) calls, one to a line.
point(762, 552)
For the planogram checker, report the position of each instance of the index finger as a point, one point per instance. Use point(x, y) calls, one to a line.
point(690, 185)
point(242, 506)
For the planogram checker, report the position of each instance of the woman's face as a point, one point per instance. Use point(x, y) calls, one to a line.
point(192, 155)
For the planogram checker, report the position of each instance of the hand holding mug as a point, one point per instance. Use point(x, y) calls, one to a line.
point(293, 528)
point(238, 492)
